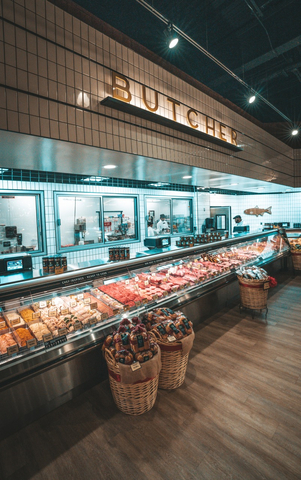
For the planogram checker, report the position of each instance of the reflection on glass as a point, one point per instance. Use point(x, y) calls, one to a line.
point(80, 218)
point(19, 223)
point(182, 215)
point(119, 218)
point(220, 222)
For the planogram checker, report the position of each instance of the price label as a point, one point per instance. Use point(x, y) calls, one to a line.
point(153, 274)
point(80, 296)
point(126, 308)
point(127, 282)
point(47, 337)
point(164, 279)
point(180, 266)
point(155, 297)
point(165, 293)
point(136, 279)
point(196, 280)
point(145, 301)
point(73, 303)
point(62, 331)
point(2, 324)
point(135, 366)
point(52, 312)
point(35, 315)
point(12, 350)
point(53, 302)
point(175, 288)
point(146, 283)
point(31, 343)
point(43, 304)
point(171, 338)
point(87, 301)
point(15, 321)
point(181, 287)
point(93, 305)
point(64, 311)
point(187, 285)
point(77, 326)
point(266, 285)
point(116, 311)
point(92, 320)
point(167, 275)
point(138, 304)
point(195, 260)
point(104, 316)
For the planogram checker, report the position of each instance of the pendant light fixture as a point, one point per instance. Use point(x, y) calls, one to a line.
point(172, 38)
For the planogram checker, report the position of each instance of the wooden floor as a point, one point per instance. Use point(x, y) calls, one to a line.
point(238, 415)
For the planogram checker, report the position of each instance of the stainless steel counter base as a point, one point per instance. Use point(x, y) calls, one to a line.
point(25, 399)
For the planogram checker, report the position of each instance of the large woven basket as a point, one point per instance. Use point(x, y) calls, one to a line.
point(296, 256)
point(253, 293)
point(174, 364)
point(132, 399)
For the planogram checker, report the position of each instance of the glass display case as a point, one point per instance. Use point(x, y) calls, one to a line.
point(38, 315)
point(51, 327)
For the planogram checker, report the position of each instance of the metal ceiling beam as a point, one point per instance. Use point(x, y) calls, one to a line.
point(266, 57)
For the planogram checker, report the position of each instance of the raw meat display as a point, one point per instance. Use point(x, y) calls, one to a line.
point(39, 329)
point(6, 340)
point(23, 335)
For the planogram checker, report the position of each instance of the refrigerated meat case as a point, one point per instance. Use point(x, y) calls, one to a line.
point(67, 316)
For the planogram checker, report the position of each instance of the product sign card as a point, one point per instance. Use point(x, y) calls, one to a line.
point(135, 366)
point(47, 337)
point(12, 350)
point(171, 338)
point(31, 343)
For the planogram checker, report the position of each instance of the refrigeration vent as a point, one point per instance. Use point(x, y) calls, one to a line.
point(12, 174)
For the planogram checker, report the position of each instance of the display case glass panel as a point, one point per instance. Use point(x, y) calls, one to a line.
point(182, 216)
point(159, 213)
point(79, 221)
point(120, 218)
point(22, 222)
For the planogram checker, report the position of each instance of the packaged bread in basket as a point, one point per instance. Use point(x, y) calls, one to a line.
point(254, 284)
point(174, 334)
point(134, 364)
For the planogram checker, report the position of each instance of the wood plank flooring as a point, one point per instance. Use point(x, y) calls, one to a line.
point(237, 416)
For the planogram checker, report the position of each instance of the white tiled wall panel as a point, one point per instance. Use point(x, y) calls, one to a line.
point(56, 69)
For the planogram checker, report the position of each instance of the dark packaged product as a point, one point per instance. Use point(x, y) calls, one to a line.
point(45, 265)
point(122, 339)
point(127, 253)
point(139, 339)
point(64, 263)
point(171, 329)
point(51, 264)
point(116, 254)
point(154, 348)
point(122, 253)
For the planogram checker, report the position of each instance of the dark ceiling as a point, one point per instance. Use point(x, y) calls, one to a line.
point(259, 40)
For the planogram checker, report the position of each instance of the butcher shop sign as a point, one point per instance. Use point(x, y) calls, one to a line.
point(155, 104)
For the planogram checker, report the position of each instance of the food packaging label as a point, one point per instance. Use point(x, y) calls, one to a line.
point(43, 304)
point(31, 343)
point(135, 366)
point(171, 338)
point(13, 349)
point(64, 311)
point(47, 337)
point(266, 285)
point(62, 331)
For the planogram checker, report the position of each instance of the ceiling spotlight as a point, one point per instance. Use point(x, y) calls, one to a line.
point(252, 98)
point(109, 167)
point(295, 132)
point(187, 176)
point(171, 36)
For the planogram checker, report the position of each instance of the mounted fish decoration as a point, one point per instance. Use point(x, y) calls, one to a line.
point(258, 211)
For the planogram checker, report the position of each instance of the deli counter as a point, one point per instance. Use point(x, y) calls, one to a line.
point(51, 327)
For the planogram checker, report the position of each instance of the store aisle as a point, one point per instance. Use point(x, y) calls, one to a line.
point(237, 416)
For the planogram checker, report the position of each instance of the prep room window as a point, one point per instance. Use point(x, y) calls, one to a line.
point(120, 218)
point(22, 226)
point(158, 213)
point(79, 221)
point(182, 216)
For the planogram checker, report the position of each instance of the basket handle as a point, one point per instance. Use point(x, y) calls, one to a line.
point(153, 336)
point(111, 356)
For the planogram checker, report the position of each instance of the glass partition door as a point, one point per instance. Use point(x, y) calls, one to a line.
point(120, 218)
point(182, 216)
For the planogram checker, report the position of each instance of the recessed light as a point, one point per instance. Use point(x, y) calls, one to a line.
point(187, 176)
point(252, 99)
point(2, 170)
point(295, 132)
point(95, 179)
point(109, 167)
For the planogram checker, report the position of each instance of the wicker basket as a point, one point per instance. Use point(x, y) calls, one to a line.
point(253, 293)
point(174, 364)
point(133, 399)
point(296, 256)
